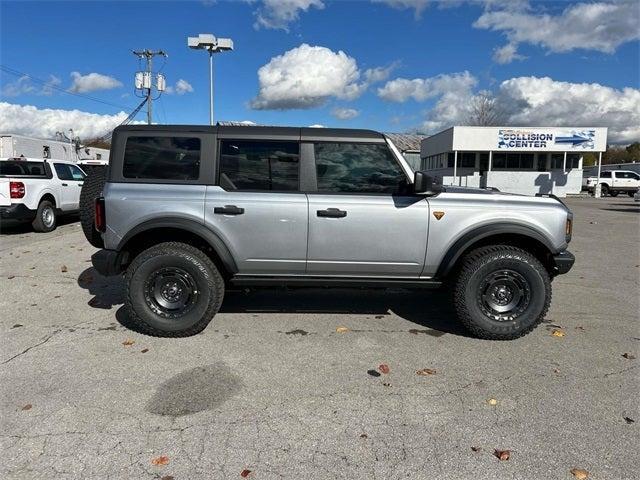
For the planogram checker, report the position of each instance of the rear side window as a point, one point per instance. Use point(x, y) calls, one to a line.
point(259, 165)
point(162, 158)
point(606, 174)
point(11, 168)
point(357, 168)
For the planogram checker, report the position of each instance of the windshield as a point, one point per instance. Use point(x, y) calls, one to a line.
point(21, 168)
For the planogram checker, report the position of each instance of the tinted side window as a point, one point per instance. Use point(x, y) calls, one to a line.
point(606, 174)
point(259, 165)
point(357, 168)
point(162, 158)
point(63, 171)
point(20, 167)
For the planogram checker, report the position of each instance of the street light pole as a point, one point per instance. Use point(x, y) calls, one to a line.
point(208, 42)
point(210, 87)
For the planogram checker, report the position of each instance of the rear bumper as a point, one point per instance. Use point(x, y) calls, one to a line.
point(108, 262)
point(17, 212)
point(564, 261)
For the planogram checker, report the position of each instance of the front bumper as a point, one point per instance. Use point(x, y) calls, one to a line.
point(108, 262)
point(563, 262)
point(17, 212)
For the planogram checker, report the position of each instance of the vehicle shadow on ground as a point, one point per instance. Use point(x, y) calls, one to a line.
point(629, 209)
point(12, 228)
point(430, 310)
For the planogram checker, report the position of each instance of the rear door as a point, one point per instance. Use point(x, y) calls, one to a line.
point(68, 188)
point(257, 206)
point(360, 222)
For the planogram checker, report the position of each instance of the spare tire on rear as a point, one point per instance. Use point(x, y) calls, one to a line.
point(91, 189)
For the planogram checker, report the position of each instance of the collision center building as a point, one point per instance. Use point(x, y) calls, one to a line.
point(526, 160)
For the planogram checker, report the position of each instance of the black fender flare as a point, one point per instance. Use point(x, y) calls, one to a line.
point(479, 233)
point(190, 226)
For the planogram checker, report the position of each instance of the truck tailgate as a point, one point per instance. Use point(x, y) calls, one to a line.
point(5, 196)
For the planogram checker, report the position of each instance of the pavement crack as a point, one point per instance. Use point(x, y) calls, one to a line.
point(42, 342)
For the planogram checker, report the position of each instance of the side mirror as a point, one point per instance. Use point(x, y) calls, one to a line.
point(424, 184)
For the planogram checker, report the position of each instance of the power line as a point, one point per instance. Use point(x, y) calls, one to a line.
point(126, 121)
point(18, 73)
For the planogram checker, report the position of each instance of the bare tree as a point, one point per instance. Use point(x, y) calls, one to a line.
point(485, 111)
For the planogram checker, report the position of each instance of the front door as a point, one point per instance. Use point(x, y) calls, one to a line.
point(359, 223)
point(71, 179)
point(257, 208)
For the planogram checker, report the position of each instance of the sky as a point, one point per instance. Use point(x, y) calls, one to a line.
point(389, 65)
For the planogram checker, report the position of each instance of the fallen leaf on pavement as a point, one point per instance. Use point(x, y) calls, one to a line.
point(629, 420)
point(144, 350)
point(373, 373)
point(492, 402)
point(167, 477)
point(579, 473)
point(502, 455)
point(629, 356)
point(342, 330)
point(475, 449)
point(11, 277)
point(245, 473)
point(64, 269)
point(426, 371)
point(384, 368)
point(27, 407)
point(128, 342)
point(364, 435)
point(386, 384)
point(161, 460)
point(556, 370)
point(557, 333)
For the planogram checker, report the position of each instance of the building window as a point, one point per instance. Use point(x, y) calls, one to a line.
point(499, 160)
point(98, 156)
point(573, 160)
point(557, 161)
point(259, 165)
point(450, 159)
point(468, 160)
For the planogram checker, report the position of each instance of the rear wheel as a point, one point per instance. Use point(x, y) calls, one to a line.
point(502, 292)
point(604, 190)
point(172, 290)
point(91, 189)
point(631, 193)
point(613, 193)
point(46, 218)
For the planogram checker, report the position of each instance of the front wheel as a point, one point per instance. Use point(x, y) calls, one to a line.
point(502, 292)
point(604, 190)
point(172, 290)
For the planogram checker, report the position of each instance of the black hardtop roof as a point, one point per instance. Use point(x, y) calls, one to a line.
point(256, 130)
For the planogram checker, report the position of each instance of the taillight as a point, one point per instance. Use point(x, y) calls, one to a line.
point(16, 189)
point(101, 224)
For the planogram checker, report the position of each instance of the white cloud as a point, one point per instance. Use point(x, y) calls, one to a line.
point(182, 87)
point(306, 77)
point(278, 14)
point(600, 26)
point(507, 54)
point(544, 101)
point(317, 125)
point(421, 89)
point(92, 82)
point(29, 120)
point(345, 113)
point(379, 74)
point(24, 85)
point(418, 5)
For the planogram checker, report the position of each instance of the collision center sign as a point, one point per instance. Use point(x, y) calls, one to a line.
point(537, 140)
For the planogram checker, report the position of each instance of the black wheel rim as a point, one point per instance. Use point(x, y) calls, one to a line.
point(171, 292)
point(504, 295)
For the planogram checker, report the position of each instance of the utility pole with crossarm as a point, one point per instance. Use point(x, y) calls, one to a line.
point(145, 79)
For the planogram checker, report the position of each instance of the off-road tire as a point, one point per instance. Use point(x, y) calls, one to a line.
point(482, 263)
point(613, 193)
point(631, 193)
point(91, 189)
point(207, 279)
point(604, 189)
point(38, 223)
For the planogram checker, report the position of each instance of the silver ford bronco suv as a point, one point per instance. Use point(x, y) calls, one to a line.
point(186, 212)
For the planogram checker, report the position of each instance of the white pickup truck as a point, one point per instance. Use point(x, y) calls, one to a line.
point(613, 182)
point(37, 191)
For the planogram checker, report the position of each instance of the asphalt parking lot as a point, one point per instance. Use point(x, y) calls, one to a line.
point(272, 390)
